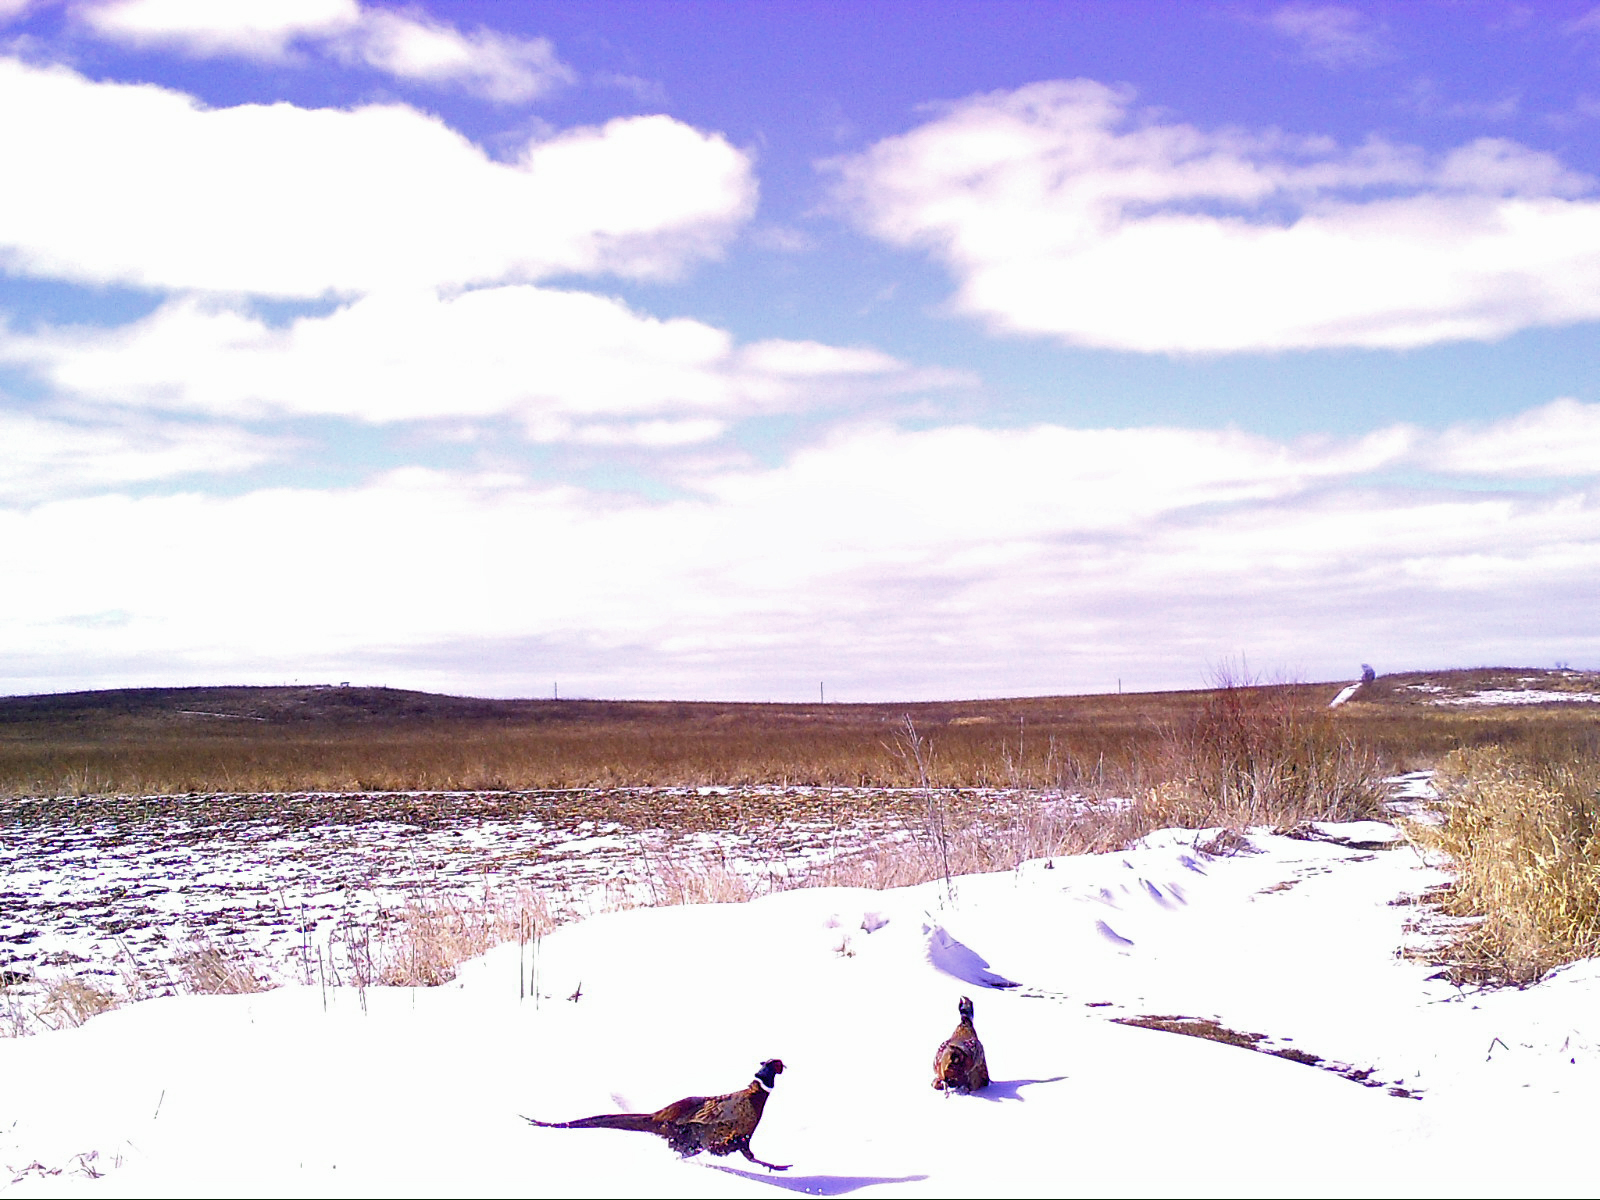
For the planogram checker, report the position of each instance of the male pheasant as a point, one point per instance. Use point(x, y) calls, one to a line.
point(960, 1065)
point(720, 1124)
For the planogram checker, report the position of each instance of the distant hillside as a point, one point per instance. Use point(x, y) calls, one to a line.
point(276, 704)
point(147, 741)
point(1482, 686)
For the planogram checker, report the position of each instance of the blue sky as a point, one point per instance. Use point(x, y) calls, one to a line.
point(716, 350)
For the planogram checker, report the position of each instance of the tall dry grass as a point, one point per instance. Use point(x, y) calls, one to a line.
point(205, 968)
point(1251, 755)
point(258, 741)
point(426, 941)
point(1524, 837)
point(71, 1000)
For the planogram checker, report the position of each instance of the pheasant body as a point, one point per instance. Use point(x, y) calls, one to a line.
point(719, 1125)
point(960, 1064)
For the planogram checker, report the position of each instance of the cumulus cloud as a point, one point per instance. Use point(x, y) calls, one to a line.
point(159, 191)
point(561, 361)
point(952, 561)
point(1331, 34)
point(1064, 211)
point(47, 456)
point(409, 46)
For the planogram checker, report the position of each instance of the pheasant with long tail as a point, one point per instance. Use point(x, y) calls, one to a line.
point(718, 1124)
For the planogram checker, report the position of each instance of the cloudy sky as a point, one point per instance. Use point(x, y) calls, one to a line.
point(722, 350)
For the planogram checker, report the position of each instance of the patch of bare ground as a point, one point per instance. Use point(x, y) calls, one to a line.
point(1213, 1030)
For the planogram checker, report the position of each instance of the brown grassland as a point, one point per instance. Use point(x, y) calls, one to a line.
point(291, 739)
point(1520, 784)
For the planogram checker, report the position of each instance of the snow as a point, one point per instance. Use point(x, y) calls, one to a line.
point(1521, 696)
point(1344, 694)
point(419, 1091)
point(124, 896)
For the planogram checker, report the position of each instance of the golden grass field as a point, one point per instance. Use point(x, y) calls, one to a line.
point(280, 739)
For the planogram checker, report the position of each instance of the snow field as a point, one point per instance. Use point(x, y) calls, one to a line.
point(417, 1092)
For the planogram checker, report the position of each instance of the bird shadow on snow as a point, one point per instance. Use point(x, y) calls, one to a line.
point(818, 1185)
point(1010, 1089)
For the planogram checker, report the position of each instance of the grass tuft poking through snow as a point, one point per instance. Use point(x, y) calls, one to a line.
point(207, 969)
point(432, 936)
point(1524, 838)
point(70, 1001)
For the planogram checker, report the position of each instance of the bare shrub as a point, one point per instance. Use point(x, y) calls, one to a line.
point(917, 752)
point(1524, 837)
point(1252, 755)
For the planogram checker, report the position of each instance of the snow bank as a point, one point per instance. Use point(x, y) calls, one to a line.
point(417, 1092)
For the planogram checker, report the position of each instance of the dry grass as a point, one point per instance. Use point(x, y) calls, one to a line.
point(1410, 733)
point(71, 1000)
point(299, 739)
point(207, 969)
point(239, 740)
point(1260, 756)
point(425, 943)
point(1524, 838)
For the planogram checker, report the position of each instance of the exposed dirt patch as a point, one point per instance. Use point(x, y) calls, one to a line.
point(1213, 1030)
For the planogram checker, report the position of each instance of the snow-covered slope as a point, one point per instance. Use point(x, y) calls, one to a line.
point(404, 1092)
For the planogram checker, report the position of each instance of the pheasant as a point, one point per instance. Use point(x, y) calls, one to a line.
point(720, 1124)
point(959, 1065)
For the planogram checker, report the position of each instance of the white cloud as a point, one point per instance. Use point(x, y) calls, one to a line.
point(1332, 35)
point(1560, 438)
point(556, 359)
point(1064, 212)
point(48, 457)
point(158, 191)
point(964, 483)
point(258, 29)
point(408, 46)
point(493, 65)
point(954, 561)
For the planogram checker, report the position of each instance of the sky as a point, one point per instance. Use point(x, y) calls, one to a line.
point(777, 351)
